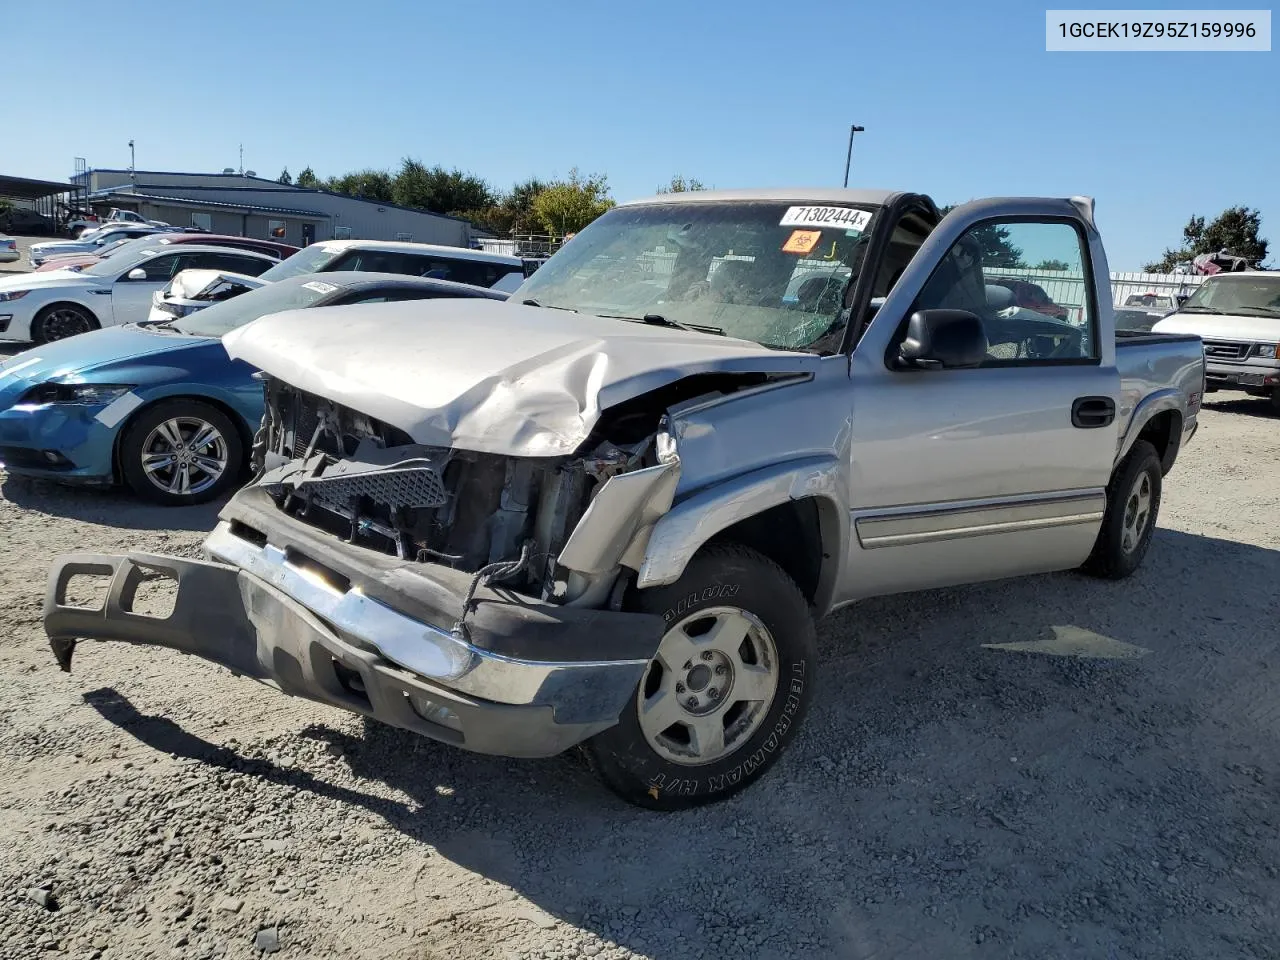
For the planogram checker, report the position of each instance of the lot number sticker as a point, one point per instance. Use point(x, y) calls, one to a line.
point(845, 218)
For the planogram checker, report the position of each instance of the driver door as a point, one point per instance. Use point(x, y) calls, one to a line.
point(963, 475)
point(131, 299)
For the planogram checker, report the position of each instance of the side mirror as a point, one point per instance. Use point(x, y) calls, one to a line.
point(943, 339)
point(137, 273)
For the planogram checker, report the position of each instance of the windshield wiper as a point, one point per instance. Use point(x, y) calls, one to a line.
point(550, 306)
point(1264, 311)
point(1199, 310)
point(658, 320)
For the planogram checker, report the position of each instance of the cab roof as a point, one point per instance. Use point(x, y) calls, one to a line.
point(812, 195)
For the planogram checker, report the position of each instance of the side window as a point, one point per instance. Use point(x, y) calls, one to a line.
point(159, 269)
point(1028, 283)
point(229, 261)
point(367, 298)
point(202, 221)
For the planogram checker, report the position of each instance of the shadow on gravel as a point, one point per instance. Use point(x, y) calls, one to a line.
point(166, 736)
point(113, 508)
point(943, 800)
point(1243, 405)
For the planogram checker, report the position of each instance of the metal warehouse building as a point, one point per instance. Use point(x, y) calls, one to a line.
point(251, 206)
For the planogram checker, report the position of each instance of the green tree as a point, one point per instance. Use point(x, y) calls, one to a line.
point(1052, 265)
point(284, 177)
point(679, 184)
point(566, 206)
point(440, 190)
point(512, 213)
point(997, 249)
point(1235, 230)
point(307, 178)
point(366, 184)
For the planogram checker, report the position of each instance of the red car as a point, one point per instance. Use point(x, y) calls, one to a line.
point(1031, 296)
point(272, 248)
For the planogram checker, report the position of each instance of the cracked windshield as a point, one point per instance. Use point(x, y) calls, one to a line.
point(774, 273)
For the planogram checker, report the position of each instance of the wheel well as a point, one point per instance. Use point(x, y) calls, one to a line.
point(242, 428)
point(790, 534)
point(1164, 432)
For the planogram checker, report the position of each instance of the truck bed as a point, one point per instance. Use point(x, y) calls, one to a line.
point(1152, 363)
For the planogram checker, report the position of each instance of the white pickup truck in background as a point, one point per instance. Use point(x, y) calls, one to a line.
point(1237, 316)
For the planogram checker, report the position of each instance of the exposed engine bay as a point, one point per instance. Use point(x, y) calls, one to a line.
point(508, 518)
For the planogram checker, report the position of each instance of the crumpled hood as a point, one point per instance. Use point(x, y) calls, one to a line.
point(485, 375)
point(189, 284)
point(1216, 327)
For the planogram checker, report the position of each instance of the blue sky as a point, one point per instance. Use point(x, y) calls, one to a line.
point(959, 100)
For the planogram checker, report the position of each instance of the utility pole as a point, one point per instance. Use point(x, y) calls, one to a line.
point(242, 159)
point(853, 128)
point(133, 166)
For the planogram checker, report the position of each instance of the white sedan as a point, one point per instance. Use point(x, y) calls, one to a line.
point(88, 243)
point(61, 303)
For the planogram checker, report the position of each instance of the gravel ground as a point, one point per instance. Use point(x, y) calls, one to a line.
point(944, 800)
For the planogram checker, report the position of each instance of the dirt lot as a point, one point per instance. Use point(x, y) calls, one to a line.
point(944, 800)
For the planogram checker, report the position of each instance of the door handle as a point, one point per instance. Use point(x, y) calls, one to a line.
point(1090, 412)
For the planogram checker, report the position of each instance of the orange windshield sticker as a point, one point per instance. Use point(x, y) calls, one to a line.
point(802, 241)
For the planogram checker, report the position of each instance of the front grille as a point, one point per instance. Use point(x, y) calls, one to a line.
point(402, 486)
point(1226, 349)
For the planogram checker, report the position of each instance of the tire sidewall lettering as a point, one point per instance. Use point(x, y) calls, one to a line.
point(717, 591)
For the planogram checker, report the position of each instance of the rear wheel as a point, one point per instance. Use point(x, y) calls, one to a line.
point(725, 692)
point(1133, 504)
point(181, 452)
point(62, 320)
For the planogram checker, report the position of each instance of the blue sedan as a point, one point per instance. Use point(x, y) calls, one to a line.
point(161, 407)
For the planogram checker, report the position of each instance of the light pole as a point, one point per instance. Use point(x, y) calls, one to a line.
point(853, 128)
point(133, 167)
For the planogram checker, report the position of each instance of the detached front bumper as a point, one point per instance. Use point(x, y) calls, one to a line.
point(320, 619)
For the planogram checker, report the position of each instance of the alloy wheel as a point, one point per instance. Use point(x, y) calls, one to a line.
point(184, 456)
point(1137, 512)
point(709, 687)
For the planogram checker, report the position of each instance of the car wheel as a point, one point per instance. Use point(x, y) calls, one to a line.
point(62, 320)
point(181, 452)
point(726, 690)
point(1133, 504)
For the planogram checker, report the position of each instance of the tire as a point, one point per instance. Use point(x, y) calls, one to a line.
point(61, 320)
point(1275, 401)
point(167, 429)
point(727, 589)
point(1133, 505)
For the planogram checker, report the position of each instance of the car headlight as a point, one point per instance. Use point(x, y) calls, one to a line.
point(1267, 351)
point(7, 295)
point(84, 393)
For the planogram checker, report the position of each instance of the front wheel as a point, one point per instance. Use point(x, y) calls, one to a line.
point(181, 452)
point(60, 321)
point(726, 690)
point(1133, 503)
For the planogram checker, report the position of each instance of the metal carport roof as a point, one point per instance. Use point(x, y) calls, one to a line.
point(24, 188)
point(129, 193)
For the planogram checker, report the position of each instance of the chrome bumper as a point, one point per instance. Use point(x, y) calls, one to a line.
point(262, 615)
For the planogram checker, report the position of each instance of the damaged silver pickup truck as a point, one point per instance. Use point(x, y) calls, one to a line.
point(608, 512)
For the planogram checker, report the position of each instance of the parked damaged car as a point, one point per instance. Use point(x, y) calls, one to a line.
point(158, 406)
point(607, 512)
